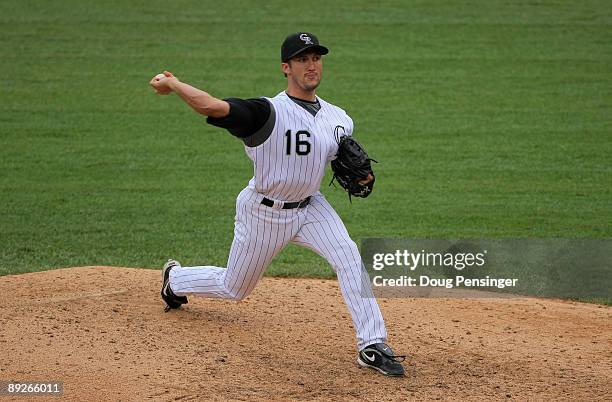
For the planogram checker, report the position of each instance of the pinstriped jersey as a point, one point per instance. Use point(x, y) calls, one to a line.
point(290, 164)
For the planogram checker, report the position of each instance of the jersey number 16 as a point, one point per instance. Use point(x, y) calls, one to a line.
point(302, 146)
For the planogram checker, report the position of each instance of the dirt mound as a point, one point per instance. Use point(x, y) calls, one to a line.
point(103, 332)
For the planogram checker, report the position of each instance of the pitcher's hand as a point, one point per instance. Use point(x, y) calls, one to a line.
point(163, 84)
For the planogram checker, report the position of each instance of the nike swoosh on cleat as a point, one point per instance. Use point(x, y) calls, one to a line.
point(368, 357)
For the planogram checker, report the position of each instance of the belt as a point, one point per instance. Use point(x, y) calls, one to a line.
point(287, 205)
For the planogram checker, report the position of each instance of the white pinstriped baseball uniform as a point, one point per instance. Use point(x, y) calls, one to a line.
point(288, 167)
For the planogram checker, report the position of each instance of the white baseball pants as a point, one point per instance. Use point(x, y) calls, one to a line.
point(261, 232)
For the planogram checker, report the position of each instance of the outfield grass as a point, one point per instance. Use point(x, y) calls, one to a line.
point(489, 118)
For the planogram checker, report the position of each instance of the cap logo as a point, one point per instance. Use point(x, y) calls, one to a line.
point(306, 39)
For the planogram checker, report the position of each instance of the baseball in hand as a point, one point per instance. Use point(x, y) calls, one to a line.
point(159, 77)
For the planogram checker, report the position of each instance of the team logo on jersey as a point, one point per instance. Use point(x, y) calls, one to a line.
point(306, 39)
point(339, 131)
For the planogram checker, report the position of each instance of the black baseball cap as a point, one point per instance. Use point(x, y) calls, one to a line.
point(296, 43)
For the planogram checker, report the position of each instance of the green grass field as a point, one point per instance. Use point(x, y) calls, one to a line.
point(489, 118)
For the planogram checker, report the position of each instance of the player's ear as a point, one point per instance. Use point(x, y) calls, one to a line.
point(285, 68)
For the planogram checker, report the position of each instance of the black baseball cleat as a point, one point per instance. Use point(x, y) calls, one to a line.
point(379, 356)
point(172, 301)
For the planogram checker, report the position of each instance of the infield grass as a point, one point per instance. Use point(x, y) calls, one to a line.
point(489, 118)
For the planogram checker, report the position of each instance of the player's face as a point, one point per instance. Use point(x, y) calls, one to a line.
point(305, 70)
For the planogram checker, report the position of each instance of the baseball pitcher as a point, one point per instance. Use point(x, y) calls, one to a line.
point(290, 138)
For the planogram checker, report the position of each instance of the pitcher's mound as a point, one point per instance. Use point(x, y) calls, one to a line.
point(103, 332)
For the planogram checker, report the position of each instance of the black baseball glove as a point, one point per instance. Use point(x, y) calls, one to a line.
point(352, 168)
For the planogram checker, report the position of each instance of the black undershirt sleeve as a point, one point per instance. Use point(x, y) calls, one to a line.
point(245, 118)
